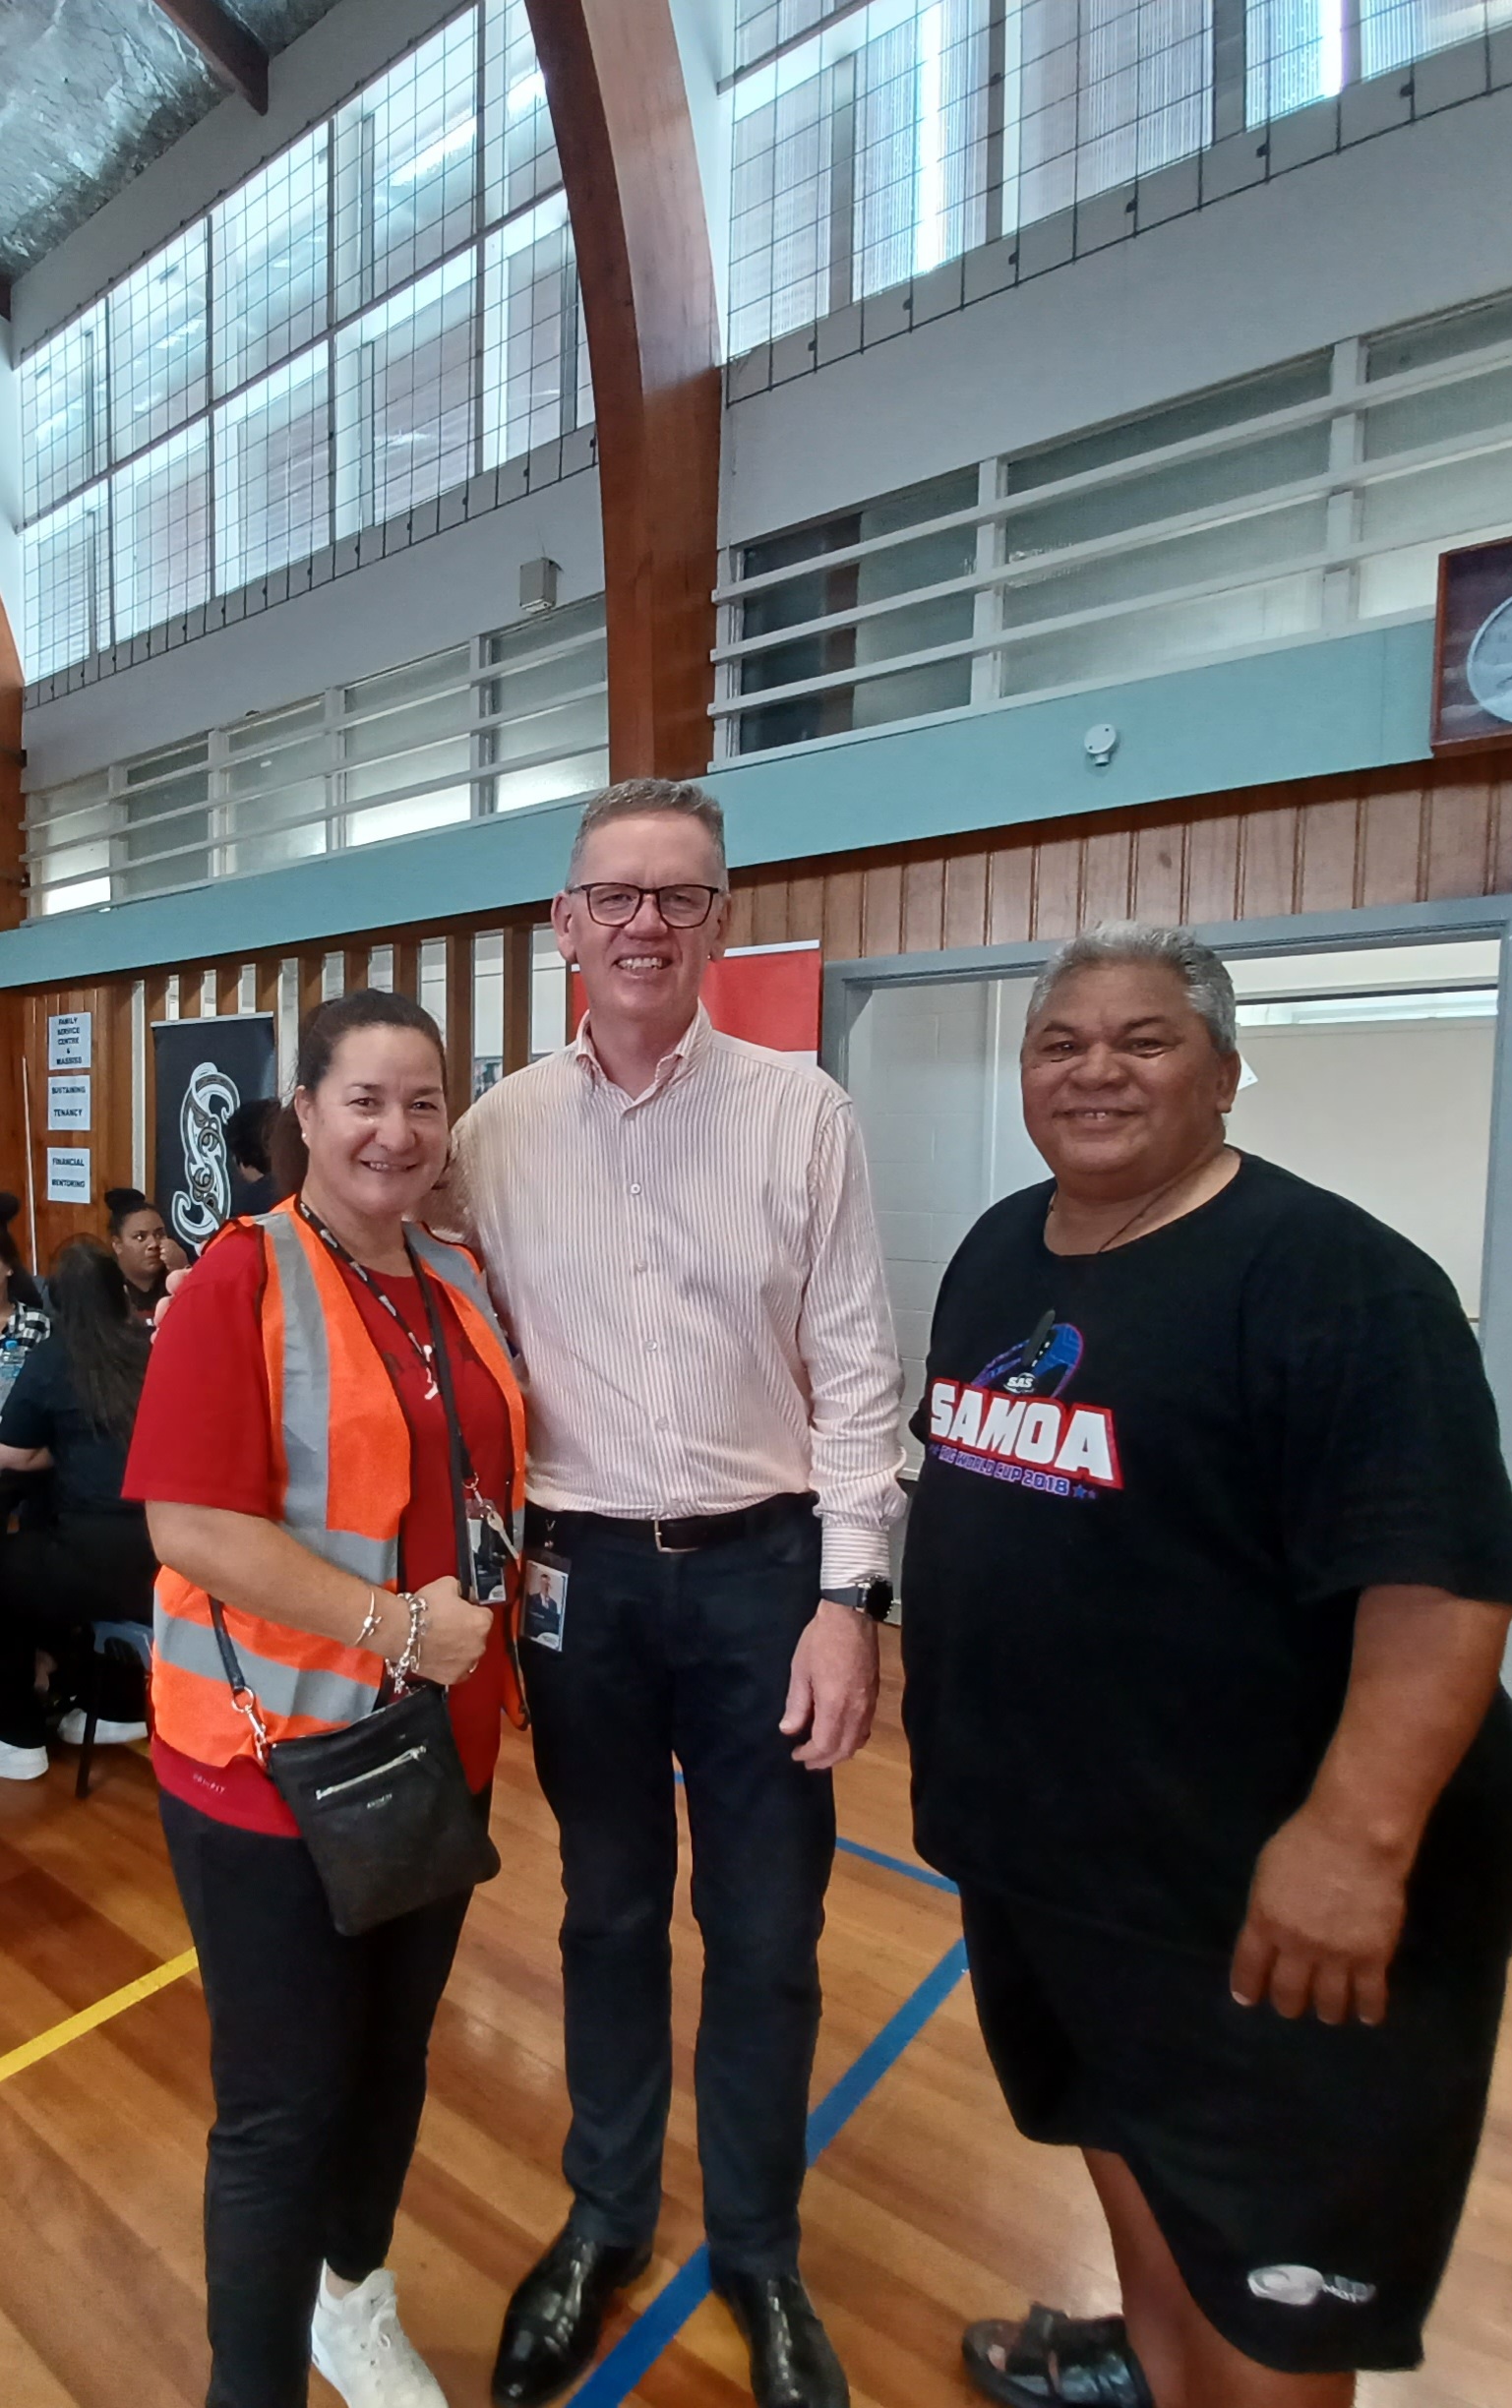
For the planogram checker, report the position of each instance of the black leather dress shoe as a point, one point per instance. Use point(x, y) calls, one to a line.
point(552, 2324)
point(792, 2364)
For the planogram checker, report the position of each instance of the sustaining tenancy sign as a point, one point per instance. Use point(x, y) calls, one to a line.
point(68, 1103)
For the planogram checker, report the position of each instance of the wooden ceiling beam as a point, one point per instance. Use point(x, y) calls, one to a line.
point(618, 105)
point(235, 57)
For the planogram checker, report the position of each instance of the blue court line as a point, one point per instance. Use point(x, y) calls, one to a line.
point(898, 1864)
point(637, 2350)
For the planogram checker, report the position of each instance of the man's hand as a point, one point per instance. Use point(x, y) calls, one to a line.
point(832, 1694)
point(1326, 1909)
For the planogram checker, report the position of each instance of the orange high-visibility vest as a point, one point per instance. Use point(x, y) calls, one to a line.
point(341, 1455)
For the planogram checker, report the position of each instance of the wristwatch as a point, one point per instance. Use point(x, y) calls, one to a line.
point(872, 1596)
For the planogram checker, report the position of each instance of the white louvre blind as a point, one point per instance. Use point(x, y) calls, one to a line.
point(515, 718)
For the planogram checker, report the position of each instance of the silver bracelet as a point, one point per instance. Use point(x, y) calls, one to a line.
point(370, 1621)
point(408, 1663)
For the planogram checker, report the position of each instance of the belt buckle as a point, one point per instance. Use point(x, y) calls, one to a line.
point(661, 1547)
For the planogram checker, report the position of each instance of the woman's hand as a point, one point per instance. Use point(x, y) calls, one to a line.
point(455, 1633)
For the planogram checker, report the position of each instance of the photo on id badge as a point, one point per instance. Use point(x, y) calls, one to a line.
point(545, 1614)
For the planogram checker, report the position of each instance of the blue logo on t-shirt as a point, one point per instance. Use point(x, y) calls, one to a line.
point(1007, 1424)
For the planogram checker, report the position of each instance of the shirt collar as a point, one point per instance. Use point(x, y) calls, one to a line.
point(674, 1063)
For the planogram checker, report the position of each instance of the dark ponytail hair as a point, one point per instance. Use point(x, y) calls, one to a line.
point(24, 1287)
point(106, 1346)
point(122, 1202)
point(319, 1032)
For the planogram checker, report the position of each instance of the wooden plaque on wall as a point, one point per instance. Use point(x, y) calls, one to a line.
point(1473, 649)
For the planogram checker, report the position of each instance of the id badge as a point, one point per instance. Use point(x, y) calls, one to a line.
point(488, 1542)
point(545, 1604)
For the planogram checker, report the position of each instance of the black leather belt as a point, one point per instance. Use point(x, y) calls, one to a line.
point(682, 1535)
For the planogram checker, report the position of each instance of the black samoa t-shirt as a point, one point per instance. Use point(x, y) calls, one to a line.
point(1155, 1482)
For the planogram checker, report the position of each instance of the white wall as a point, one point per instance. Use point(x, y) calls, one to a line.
point(1413, 221)
point(1396, 1115)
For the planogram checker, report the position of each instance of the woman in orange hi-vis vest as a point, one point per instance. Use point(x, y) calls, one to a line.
point(293, 1454)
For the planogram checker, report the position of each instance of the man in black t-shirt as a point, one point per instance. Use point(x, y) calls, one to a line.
point(1206, 1592)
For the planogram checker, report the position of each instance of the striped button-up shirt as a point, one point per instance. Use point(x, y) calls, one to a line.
point(694, 1278)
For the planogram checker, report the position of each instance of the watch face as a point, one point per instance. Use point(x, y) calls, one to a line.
point(1489, 663)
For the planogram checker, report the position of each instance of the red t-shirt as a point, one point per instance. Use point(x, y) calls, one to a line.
point(204, 1436)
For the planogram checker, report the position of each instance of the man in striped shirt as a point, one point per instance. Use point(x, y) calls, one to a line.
point(678, 1230)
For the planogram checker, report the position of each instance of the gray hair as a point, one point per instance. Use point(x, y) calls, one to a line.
point(1209, 988)
point(646, 798)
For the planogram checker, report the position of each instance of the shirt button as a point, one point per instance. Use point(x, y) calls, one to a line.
point(637, 1268)
point(650, 1346)
point(661, 1421)
point(635, 1187)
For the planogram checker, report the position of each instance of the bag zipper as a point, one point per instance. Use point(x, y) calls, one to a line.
point(374, 1773)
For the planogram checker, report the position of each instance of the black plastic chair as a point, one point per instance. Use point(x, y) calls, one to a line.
point(127, 1640)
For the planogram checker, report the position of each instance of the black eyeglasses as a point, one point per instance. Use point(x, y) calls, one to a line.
point(681, 907)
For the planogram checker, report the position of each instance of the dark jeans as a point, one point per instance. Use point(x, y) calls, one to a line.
point(318, 2054)
point(686, 1656)
point(83, 1568)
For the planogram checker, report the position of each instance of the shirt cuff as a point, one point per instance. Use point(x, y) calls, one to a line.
point(852, 1553)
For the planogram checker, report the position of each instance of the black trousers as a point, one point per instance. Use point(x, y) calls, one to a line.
point(318, 2054)
point(53, 1578)
point(686, 1656)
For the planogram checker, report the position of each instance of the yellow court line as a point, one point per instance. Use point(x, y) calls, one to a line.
point(30, 2052)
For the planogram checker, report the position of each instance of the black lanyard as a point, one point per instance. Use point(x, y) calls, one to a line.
point(424, 1354)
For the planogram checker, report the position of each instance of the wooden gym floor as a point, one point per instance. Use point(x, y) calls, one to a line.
point(924, 2208)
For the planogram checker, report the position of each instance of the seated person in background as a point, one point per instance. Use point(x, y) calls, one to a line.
point(72, 1409)
point(22, 1321)
point(248, 1131)
point(137, 1233)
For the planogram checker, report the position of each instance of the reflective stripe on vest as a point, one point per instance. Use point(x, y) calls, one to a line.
point(307, 1416)
point(342, 1465)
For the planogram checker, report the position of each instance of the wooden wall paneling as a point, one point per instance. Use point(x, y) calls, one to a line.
point(1391, 843)
point(1057, 875)
point(191, 991)
point(1212, 868)
point(1107, 874)
point(516, 972)
point(406, 967)
point(742, 920)
point(227, 989)
point(113, 1084)
point(841, 925)
point(1159, 865)
point(1458, 836)
point(922, 904)
point(267, 977)
point(1011, 876)
point(155, 995)
point(1328, 854)
point(459, 1024)
point(356, 967)
point(1268, 863)
point(769, 912)
point(964, 905)
point(312, 980)
point(1501, 850)
point(806, 907)
point(619, 107)
point(881, 906)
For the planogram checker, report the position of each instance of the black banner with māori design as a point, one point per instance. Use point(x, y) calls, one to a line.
point(205, 1068)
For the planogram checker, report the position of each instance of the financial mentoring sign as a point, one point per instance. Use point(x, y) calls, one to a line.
point(205, 1068)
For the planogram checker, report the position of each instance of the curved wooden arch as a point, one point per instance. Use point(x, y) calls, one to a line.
point(614, 82)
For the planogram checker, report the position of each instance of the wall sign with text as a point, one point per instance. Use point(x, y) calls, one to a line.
point(68, 1040)
point(1473, 649)
point(68, 1103)
point(68, 1177)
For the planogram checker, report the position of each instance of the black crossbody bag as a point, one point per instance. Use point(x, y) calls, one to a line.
point(383, 1805)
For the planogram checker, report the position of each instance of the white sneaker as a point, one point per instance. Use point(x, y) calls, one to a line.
point(106, 1734)
point(363, 2351)
point(22, 1764)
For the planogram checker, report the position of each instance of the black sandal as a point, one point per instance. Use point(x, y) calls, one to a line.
point(1054, 2361)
